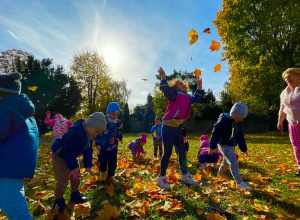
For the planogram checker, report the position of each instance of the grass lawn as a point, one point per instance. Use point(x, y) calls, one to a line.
point(269, 169)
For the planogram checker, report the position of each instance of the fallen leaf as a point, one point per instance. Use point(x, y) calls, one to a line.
point(197, 177)
point(110, 189)
point(193, 36)
point(108, 212)
point(82, 210)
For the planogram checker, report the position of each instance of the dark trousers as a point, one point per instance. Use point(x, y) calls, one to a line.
point(157, 144)
point(108, 161)
point(208, 158)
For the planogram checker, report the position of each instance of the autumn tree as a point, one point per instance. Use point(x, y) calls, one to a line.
point(261, 40)
point(98, 88)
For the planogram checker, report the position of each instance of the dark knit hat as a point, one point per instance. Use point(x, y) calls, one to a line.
point(11, 83)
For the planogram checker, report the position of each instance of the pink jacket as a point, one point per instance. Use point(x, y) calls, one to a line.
point(60, 125)
point(204, 145)
point(290, 103)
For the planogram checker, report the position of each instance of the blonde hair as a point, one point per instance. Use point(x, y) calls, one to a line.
point(291, 71)
point(172, 83)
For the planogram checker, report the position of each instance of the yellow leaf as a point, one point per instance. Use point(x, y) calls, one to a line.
point(108, 212)
point(82, 210)
point(197, 177)
point(144, 209)
point(154, 134)
point(193, 36)
point(128, 193)
point(215, 45)
point(189, 165)
point(197, 73)
point(33, 88)
point(110, 189)
point(217, 68)
point(43, 195)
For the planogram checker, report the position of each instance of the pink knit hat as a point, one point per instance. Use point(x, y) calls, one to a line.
point(143, 138)
point(204, 143)
point(203, 138)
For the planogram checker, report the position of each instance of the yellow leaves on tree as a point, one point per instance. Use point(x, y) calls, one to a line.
point(33, 88)
point(108, 212)
point(197, 73)
point(193, 36)
point(215, 46)
point(82, 210)
point(217, 68)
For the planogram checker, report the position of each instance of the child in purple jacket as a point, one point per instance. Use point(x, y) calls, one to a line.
point(179, 110)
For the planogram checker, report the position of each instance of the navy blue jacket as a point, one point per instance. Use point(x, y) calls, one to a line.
point(74, 143)
point(109, 138)
point(227, 132)
point(19, 137)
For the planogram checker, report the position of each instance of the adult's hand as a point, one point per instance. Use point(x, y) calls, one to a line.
point(211, 151)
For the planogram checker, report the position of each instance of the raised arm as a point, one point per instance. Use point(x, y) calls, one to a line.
point(168, 92)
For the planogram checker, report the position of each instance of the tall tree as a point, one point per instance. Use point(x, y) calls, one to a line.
point(261, 40)
point(126, 124)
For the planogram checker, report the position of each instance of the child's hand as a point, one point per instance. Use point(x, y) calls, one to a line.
point(75, 173)
point(108, 149)
point(158, 137)
point(211, 151)
point(280, 126)
point(88, 170)
point(161, 73)
point(121, 126)
point(48, 113)
point(199, 83)
point(98, 147)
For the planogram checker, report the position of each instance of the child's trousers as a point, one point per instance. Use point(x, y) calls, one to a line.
point(61, 174)
point(229, 160)
point(294, 132)
point(172, 136)
point(12, 199)
point(157, 145)
point(208, 158)
point(108, 161)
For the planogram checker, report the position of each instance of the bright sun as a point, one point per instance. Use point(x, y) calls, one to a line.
point(111, 56)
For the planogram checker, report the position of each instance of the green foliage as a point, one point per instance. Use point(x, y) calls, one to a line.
point(56, 91)
point(126, 124)
point(261, 40)
point(160, 103)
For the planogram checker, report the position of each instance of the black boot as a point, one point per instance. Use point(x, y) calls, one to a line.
point(61, 204)
point(297, 174)
point(77, 197)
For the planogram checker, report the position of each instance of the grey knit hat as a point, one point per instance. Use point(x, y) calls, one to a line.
point(11, 83)
point(96, 120)
point(239, 109)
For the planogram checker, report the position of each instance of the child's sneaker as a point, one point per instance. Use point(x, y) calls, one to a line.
point(103, 176)
point(162, 182)
point(61, 204)
point(188, 179)
point(243, 185)
point(203, 166)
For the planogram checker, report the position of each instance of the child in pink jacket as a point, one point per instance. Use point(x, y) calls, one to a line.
point(203, 156)
point(59, 123)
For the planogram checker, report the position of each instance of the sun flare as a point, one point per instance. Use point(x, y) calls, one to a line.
point(111, 55)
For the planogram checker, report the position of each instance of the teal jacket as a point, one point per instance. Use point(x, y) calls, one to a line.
point(19, 137)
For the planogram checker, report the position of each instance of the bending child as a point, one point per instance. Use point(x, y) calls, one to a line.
point(179, 109)
point(136, 146)
point(227, 133)
point(203, 156)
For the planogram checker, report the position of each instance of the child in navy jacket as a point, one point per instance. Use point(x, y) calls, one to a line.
point(227, 133)
point(66, 149)
point(107, 144)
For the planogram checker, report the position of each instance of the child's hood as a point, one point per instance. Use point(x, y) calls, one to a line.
point(20, 103)
point(58, 116)
point(78, 125)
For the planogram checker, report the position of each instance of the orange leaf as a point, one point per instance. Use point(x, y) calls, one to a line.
point(110, 189)
point(215, 45)
point(217, 68)
point(197, 177)
point(82, 210)
point(193, 36)
point(207, 31)
point(197, 73)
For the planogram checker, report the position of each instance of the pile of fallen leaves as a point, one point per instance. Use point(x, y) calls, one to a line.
point(269, 170)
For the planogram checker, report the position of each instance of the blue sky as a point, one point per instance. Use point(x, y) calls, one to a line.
point(145, 34)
